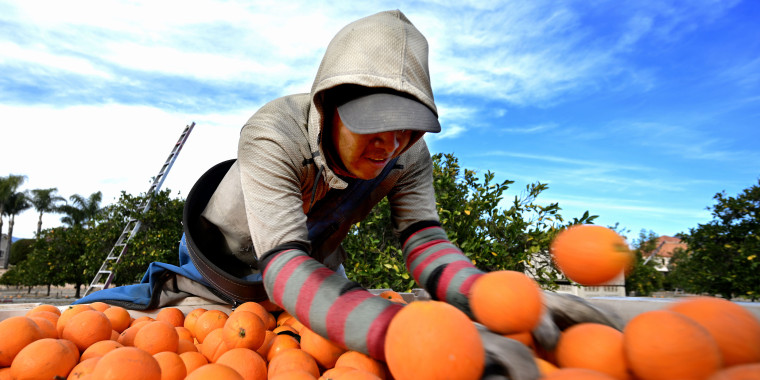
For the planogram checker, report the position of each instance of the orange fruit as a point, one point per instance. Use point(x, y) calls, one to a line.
point(663, 344)
point(46, 327)
point(68, 313)
point(84, 369)
point(324, 351)
point(733, 327)
point(348, 373)
point(16, 333)
point(144, 318)
point(524, 337)
point(292, 359)
point(270, 306)
point(207, 322)
point(392, 296)
point(255, 308)
point(281, 343)
point(127, 337)
point(49, 315)
point(184, 333)
point(249, 364)
point(44, 307)
point(358, 360)
point(244, 329)
point(268, 340)
point(738, 372)
point(193, 360)
point(119, 317)
point(99, 349)
point(86, 328)
point(593, 346)
point(185, 346)
point(590, 254)
point(577, 374)
point(506, 302)
point(213, 346)
point(282, 317)
point(45, 359)
point(545, 367)
point(157, 336)
point(99, 306)
point(127, 363)
point(172, 316)
point(433, 340)
point(214, 371)
point(286, 328)
point(192, 317)
point(293, 375)
point(172, 366)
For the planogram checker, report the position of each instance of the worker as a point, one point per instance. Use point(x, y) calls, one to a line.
point(269, 224)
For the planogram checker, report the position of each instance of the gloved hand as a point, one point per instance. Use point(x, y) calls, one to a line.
point(564, 310)
point(506, 359)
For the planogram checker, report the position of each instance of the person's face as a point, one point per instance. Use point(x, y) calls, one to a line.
point(365, 156)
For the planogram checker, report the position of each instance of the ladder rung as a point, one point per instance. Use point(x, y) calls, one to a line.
point(104, 272)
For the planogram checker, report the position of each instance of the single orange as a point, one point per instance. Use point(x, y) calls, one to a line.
point(663, 344)
point(268, 340)
point(46, 327)
point(433, 340)
point(185, 346)
point(738, 372)
point(324, 351)
point(157, 336)
point(119, 317)
point(99, 306)
point(84, 369)
point(184, 333)
point(172, 316)
point(68, 313)
point(249, 364)
point(733, 327)
point(45, 359)
point(144, 318)
point(296, 374)
point(244, 329)
point(127, 363)
point(577, 374)
point(214, 371)
point(127, 337)
point(99, 349)
point(593, 346)
point(590, 254)
point(209, 321)
point(16, 333)
point(45, 307)
point(281, 343)
point(172, 366)
point(192, 317)
point(506, 302)
point(292, 359)
point(351, 374)
point(392, 296)
point(213, 346)
point(86, 328)
point(193, 360)
point(358, 360)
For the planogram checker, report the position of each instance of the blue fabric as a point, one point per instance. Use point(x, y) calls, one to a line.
point(141, 293)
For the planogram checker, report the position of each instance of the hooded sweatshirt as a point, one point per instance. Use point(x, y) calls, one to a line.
point(284, 207)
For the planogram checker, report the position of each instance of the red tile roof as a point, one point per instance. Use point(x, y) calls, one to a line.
point(666, 245)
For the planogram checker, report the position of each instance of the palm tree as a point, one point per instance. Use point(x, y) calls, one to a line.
point(14, 205)
point(82, 209)
point(8, 186)
point(45, 200)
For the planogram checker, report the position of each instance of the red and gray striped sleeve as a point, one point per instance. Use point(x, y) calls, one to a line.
point(438, 265)
point(328, 303)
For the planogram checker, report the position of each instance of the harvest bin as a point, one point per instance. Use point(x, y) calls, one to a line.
point(625, 307)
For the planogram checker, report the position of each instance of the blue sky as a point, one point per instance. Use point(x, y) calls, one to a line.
point(637, 111)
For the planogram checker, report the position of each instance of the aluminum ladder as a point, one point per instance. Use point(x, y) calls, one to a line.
point(105, 274)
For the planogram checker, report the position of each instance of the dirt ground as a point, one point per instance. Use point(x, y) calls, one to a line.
point(59, 295)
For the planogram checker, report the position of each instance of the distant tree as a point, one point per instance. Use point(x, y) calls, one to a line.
point(20, 250)
point(8, 186)
point(45, 201)
point(13, 206)
point(81, 210)
point(722, 257)
point(644, 279)
point(515, 236)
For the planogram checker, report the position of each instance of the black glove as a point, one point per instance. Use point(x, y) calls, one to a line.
point(564, 310)
point(506, 359)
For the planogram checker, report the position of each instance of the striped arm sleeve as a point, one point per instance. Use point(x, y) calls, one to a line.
point(329, 304)
point(440, 267)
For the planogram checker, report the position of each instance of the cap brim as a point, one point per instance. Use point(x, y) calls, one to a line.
point(384, 112)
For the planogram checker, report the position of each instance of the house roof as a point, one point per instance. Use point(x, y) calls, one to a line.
point(666, 245)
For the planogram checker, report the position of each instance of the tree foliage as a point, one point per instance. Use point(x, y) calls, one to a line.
point(722, 258)
point(495, 235)
point(643, 278)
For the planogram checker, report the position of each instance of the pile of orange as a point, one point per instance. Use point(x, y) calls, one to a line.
point(255, 341)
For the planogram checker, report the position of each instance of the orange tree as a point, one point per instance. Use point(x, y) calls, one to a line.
point(493, 233)
point(722, 257)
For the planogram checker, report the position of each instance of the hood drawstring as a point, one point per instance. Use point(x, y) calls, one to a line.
point(316, 180)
